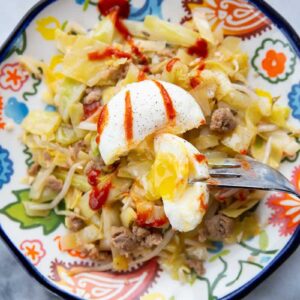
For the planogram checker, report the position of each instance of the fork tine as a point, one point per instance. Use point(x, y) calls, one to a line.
point(226, 172)
point(221, 163)
point(251, 174)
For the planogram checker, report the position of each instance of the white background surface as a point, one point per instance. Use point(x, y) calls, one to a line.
point(15, 284)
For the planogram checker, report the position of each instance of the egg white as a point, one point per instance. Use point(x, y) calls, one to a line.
point(185, 211)
point(149, 116)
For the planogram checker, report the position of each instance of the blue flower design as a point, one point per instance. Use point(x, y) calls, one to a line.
point(294, 100)
point(217, 247)
point(6, 167)
point(150, 7)
point(80, 2)
point(15, 110)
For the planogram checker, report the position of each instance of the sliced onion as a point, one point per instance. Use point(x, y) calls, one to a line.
point(246, 90)
point(267, 151)
point(60, 195)
point(266, 127)
point(87, 126)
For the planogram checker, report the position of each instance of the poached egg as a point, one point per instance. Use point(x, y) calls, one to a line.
point(142, 109)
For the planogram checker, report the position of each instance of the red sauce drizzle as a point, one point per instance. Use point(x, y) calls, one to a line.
point(202, 205)
point(202, 122)
point(142, 76)
point(92, 177)
point(98, 196)
point(137, 52)
point(201, 67)
point(143, 220)
point(128, 118)
point(159, 222)
point(90, 109)
point(195, 81)
point(146, 69)
point(108, 52)
point(171, 63)
point(170, 110)
point(102, 121)
point(200, 158)
point(200, 48)
point(244, 152)
point(107, 6)
point(118, 9)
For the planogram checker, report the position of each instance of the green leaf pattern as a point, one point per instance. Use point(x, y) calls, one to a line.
point(16, 212)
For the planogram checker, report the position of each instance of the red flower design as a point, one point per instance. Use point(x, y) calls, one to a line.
point(34, 250)
point(13, 77)
point(274, 63)
point(286, 208)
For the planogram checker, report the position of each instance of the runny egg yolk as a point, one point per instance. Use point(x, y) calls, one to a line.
point(169, 175)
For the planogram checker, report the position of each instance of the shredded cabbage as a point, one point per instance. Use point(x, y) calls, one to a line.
point(68, 93)
point(170, 32)
point(64, 41)
point(43, 123)
point(203, 26)
point(77, 66)
point(104, 31)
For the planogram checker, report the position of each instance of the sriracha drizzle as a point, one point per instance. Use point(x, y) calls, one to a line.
point(142, 76)
point(203, 206)
point(195, 81)
point(143, 220)
point(200, 158)
point(98, 196)
point(169, 107)
point(90, 109)
point(118, 9)
point(93, 177)
point(107, 6)
point(102, 121)
point(171, 63)
point(128, 118)
point(200, 48)
point(108, 52)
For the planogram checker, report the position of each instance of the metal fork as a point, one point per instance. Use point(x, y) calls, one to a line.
point(247, 173)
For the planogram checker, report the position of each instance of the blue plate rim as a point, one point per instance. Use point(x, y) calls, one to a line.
point(245, 289)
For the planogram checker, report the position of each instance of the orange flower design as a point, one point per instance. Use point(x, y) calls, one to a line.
point(274, 63)
point(286, 208)
point(33, 250)
point(12, 77)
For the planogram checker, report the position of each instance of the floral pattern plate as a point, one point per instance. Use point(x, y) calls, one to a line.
point(232, 271)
